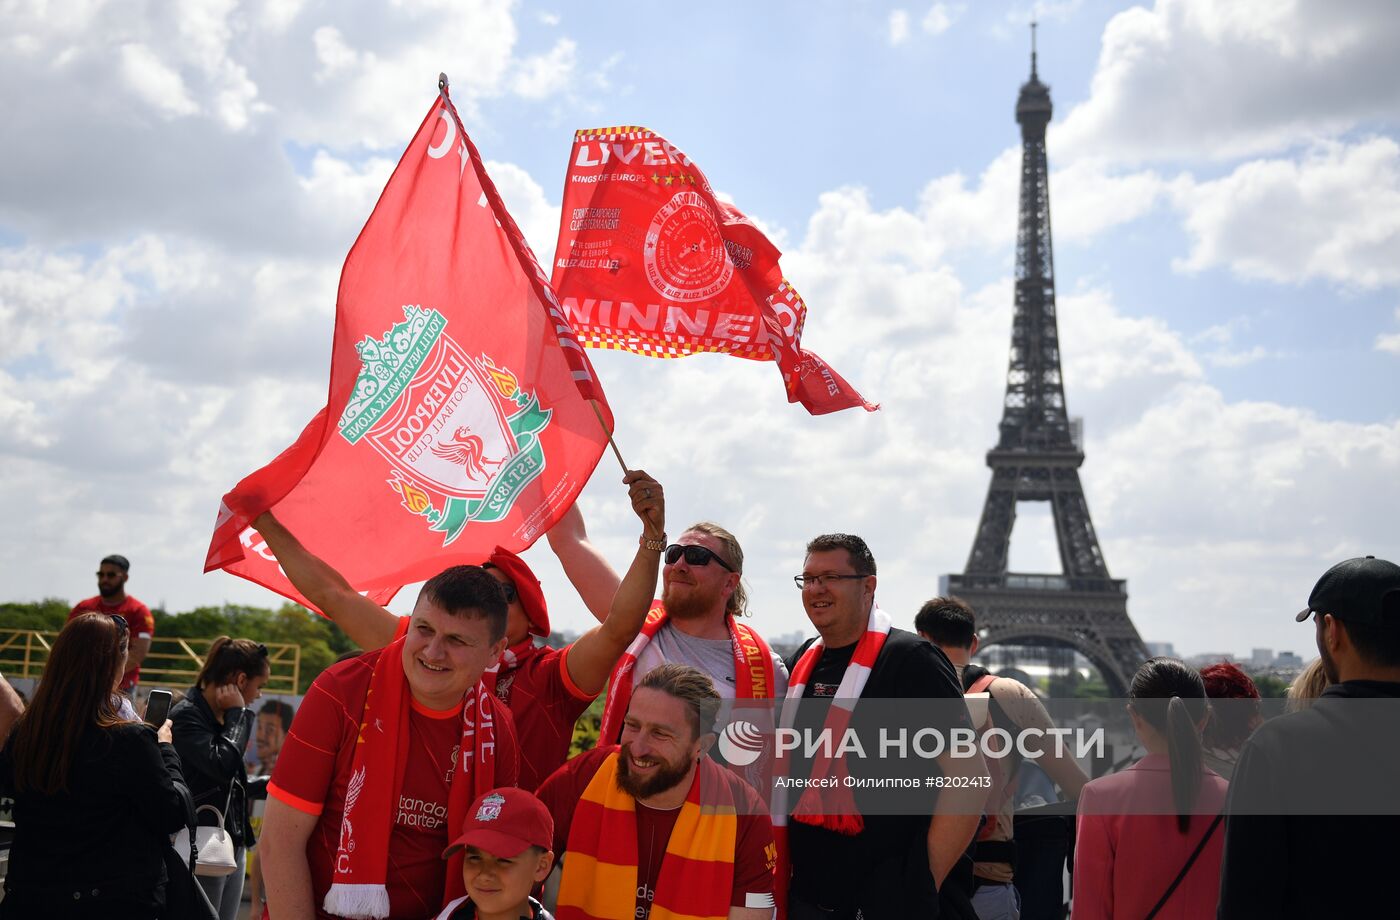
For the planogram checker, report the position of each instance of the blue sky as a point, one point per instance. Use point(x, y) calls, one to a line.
point(179, 191)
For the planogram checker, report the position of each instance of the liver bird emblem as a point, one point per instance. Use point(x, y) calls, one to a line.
point(468, 450)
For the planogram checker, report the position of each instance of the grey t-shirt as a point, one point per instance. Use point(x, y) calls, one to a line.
point(713, 656)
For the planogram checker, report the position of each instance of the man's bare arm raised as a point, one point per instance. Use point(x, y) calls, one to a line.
point(367, 624)
point(594, 654)
point(370, 626)
point(588, 569)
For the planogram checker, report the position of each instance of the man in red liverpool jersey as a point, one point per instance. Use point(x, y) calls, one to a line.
point(113, 600)
point(547, 689)
point(386, 752)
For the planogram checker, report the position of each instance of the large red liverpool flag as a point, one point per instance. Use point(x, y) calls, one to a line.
point(458, 417)
point(649, 261)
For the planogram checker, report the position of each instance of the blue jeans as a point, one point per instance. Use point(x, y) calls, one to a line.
point(226, 891)
point(997, 902)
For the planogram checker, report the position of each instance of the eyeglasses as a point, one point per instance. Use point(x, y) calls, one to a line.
point(820, 581)
point(122, 628)
point(694, 555)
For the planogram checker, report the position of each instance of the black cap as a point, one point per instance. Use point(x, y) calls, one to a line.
point(1361, 590)
point(118, 561)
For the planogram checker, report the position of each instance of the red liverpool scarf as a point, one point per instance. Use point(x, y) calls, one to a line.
point(752, 659)
point(358, 887)
point(697, 873)
point(838, 810)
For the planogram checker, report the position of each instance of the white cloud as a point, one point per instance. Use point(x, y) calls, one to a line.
point(1242, 497)
point(344, 193)
point(1389, 341)
point(1202, 79)
point(153, 82)
point(334, 57)
point(898, 27)
point(941, 16)
point(1334, 214)
point(1222, 339)
point(546, 74)
point(953, 214)
point(536, 217)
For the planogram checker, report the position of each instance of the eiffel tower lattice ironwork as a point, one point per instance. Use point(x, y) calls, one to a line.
point(1037, 459)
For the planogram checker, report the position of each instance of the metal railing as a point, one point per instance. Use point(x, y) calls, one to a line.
point(172, 661)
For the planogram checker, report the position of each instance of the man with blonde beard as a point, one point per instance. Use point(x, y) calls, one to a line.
point(653, 825)
point(697, 623)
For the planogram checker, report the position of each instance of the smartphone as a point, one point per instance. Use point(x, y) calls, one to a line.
point(157, 707)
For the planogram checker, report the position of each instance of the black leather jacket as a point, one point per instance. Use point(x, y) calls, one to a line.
point(212, 756)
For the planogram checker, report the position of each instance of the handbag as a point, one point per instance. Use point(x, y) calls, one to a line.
point(185, 898)
point(213, 853)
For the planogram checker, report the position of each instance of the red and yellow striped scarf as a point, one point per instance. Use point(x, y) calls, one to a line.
point(697, 873)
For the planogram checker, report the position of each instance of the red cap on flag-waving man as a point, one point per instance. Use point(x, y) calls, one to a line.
point(458, 417)
point(650, 262)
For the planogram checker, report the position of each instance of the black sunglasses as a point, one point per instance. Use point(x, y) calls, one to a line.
point(507, 588)
point(694, 555)
point(122, 627)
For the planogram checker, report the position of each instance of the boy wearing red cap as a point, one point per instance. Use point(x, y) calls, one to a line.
point(507, 837)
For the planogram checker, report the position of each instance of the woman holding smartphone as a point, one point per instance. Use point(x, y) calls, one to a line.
point(95, 796)
point(213, 725)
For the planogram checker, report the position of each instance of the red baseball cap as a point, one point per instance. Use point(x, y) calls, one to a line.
point(505, 822)
point(527, 588)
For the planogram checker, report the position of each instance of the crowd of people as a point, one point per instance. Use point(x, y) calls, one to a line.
point(429, 776)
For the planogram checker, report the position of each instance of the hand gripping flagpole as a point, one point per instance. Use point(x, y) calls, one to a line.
point(443, 88)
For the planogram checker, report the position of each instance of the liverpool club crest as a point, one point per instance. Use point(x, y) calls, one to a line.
point(460, 436)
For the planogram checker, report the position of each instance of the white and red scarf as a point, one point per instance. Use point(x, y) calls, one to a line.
point(834, 807)
point(752, 660)
point(358, 883)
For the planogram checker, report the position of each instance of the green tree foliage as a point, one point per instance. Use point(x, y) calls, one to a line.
point(321, 641)
point(48, 614)
point(588, 727)
point(1271, 686)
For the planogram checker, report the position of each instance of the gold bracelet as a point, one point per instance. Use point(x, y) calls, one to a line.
point(655, 546)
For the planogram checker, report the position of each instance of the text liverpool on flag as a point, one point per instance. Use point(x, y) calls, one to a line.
point(458, 416)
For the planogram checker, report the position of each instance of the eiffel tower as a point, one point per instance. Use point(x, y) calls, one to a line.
point(1037, 459)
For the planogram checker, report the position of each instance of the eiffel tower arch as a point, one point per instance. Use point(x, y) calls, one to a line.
point(1037, 459)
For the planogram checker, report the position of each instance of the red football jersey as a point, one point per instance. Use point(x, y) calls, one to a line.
point(313, 772)
point(138, 620)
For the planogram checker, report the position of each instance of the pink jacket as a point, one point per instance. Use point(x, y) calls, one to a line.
point(1129, 849)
